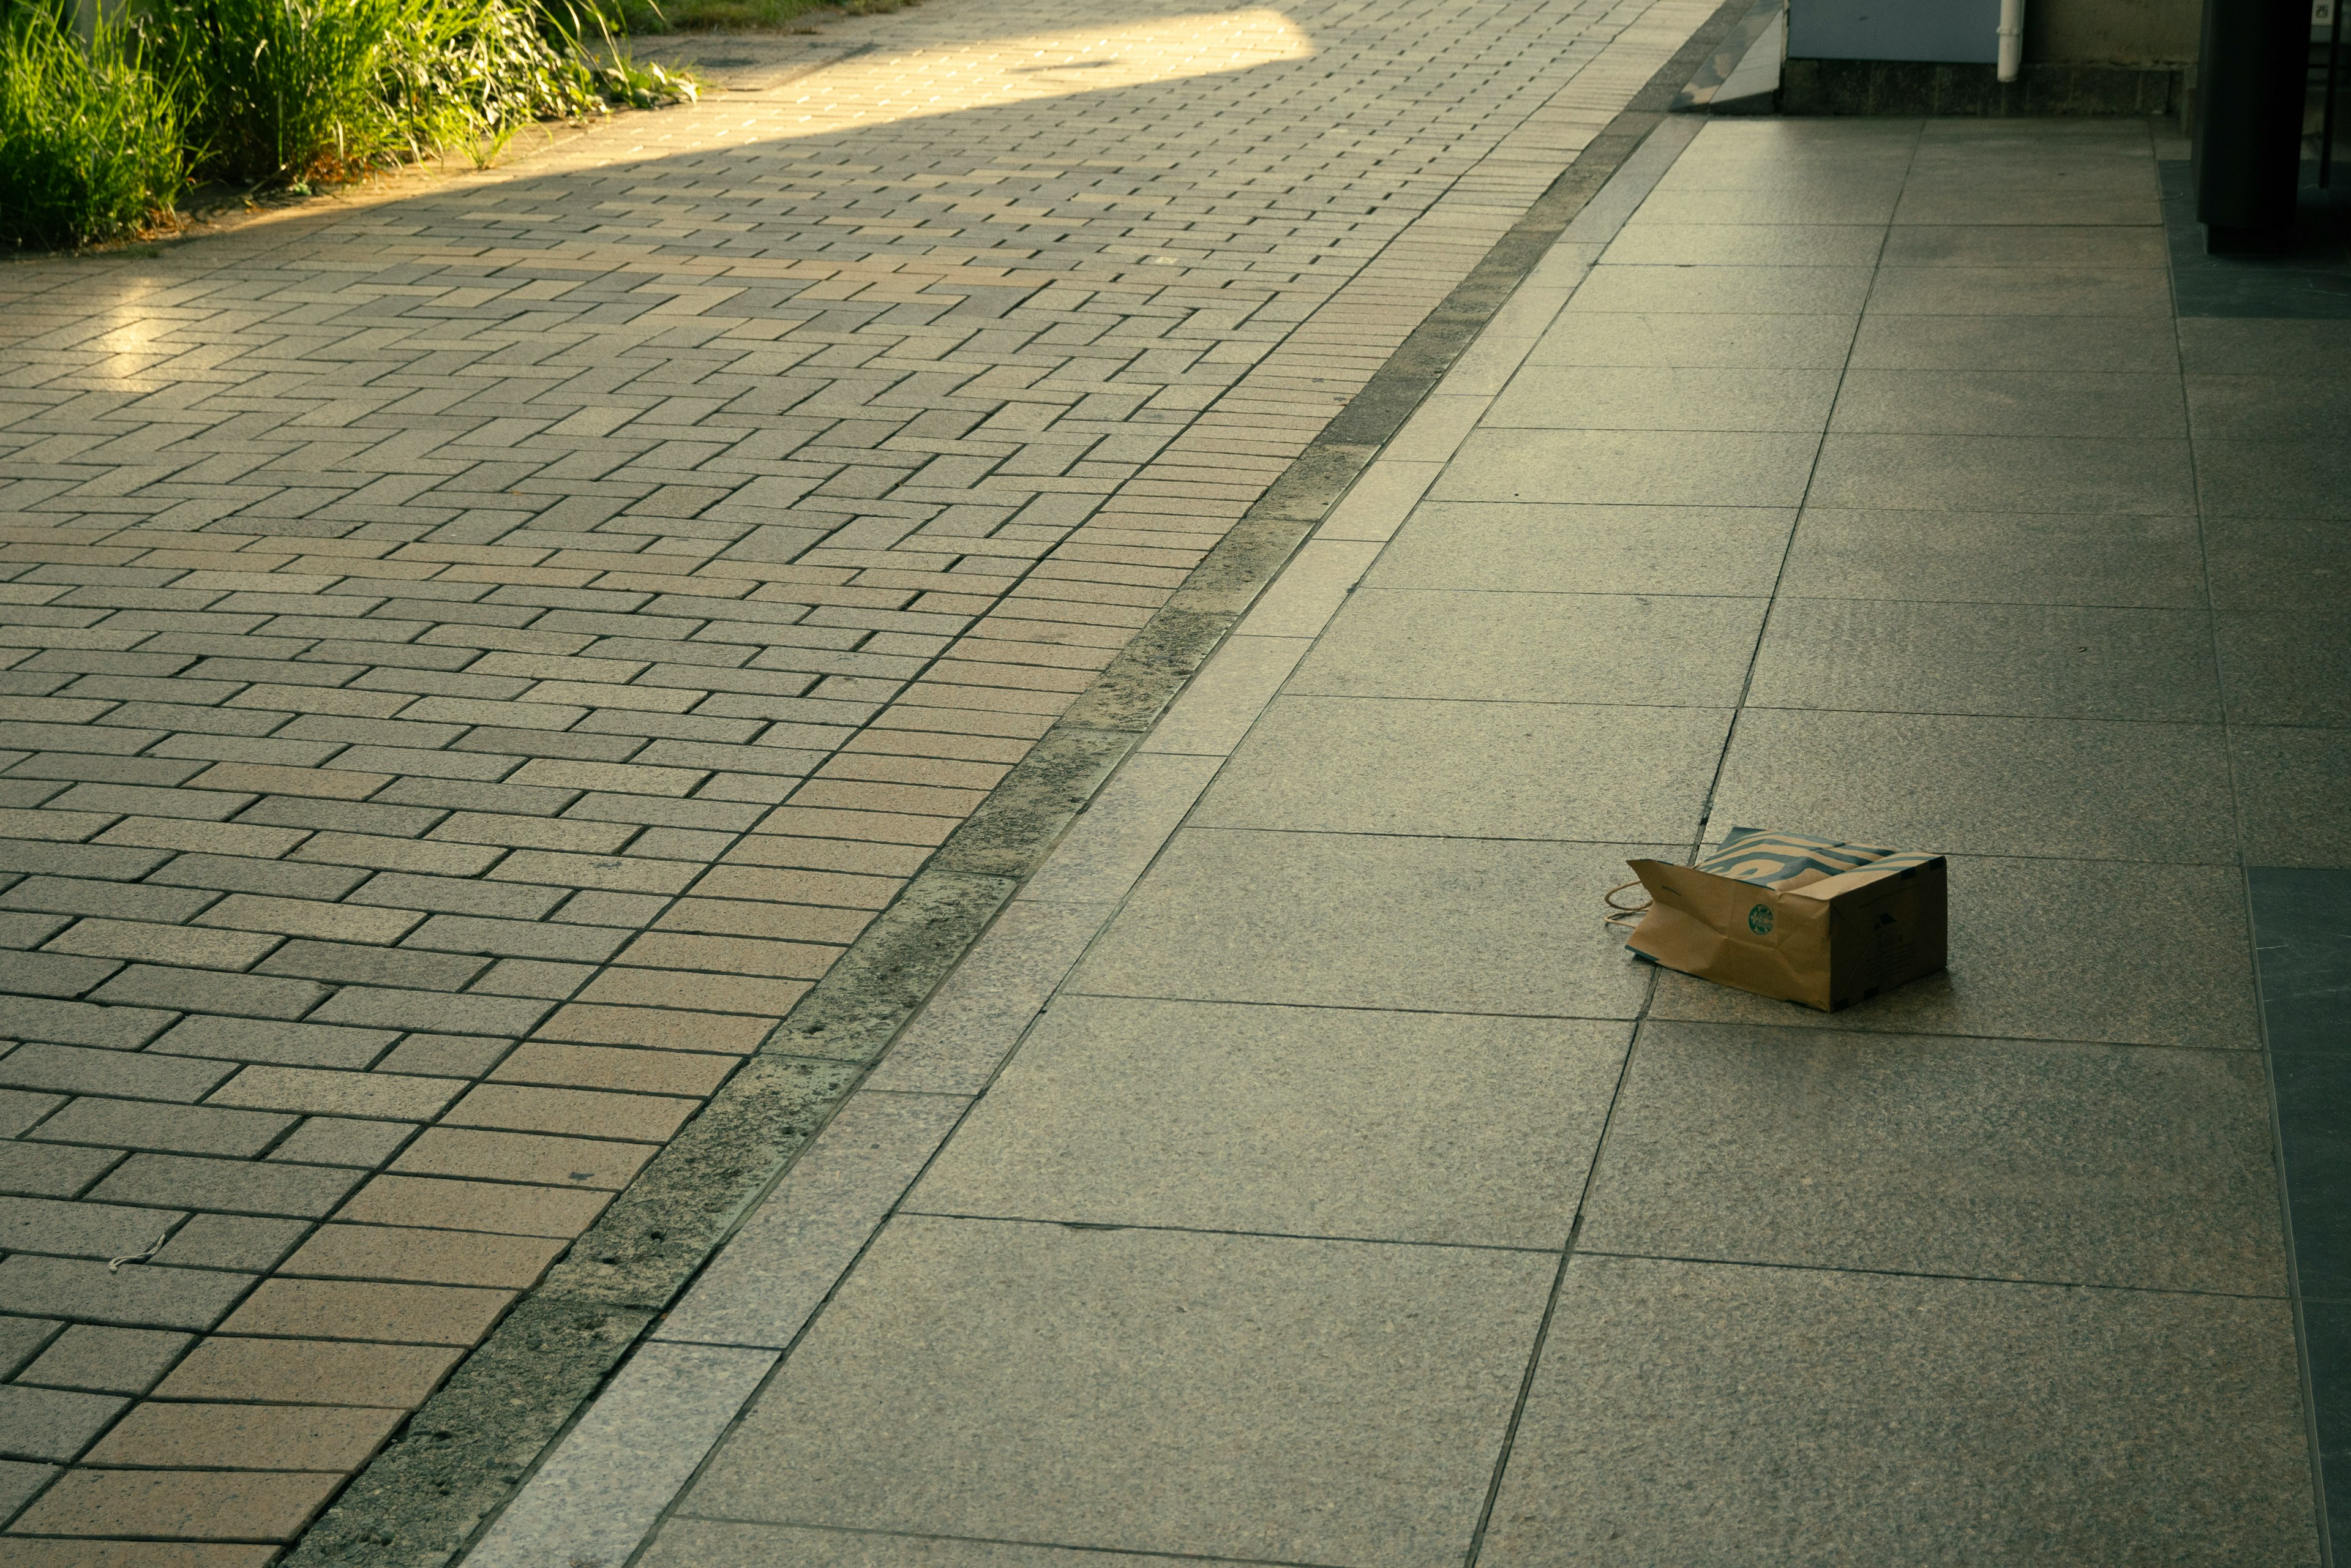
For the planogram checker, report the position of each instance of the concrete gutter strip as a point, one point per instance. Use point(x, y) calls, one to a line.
point(466, 1450)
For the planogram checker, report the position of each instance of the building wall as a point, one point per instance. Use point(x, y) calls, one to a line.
point(2112, 31)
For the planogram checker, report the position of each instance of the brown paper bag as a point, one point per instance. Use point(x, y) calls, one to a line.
point(1806, 920)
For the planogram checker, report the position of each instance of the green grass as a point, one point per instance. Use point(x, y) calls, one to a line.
point(91, 143)
point(301, 90)
point(739, 15)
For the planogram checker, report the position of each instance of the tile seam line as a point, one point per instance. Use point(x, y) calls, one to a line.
point(1010, 1540)
point(1801, 1029)
point(1311, 1237)
point(1936, 1274)
point(1279, 513)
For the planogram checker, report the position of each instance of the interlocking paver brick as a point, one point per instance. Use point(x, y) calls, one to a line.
point(52, 974)
point(518, 938)
point(350, 964)
point(76, 1070)
point(593, 1067)
point(446, 1055)
point(501, 1207)
point(81, 1230)
point(432, 1010)
point(320, 1091)
point(170, 1129)
point(21, 1339)
point(426, 1257)
point(29, 1552)
point(477, 619)
point(79, 1023)
point(236, 995)
point(197, 1505)
point(232, 1241)
point(523, 1157)
point(20, 1481)
point(51, 1422)
point(229, 874)
point(308, 1371)
point(310, 917)
point(417, 1314)
point(294, 1044)
point(106, 1361)
point(247, 1436)
point(34, 1170)
point(226, 1186)
point(339, 1141)
point(575, 1112)
point(144, 1296)
point(162, 944)
point(68, 896)
point(20, 1110)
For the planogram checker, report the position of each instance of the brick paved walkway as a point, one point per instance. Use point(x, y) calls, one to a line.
point(472, 661)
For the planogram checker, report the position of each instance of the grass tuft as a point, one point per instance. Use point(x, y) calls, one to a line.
point(740, 16)
point(90, 142)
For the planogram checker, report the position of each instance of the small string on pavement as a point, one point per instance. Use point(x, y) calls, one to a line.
point(115, 1264)
point(1623, 914)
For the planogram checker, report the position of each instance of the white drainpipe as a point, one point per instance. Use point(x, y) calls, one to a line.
point(2011, 37)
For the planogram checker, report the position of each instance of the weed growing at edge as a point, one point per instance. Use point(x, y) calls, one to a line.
point(91, 143)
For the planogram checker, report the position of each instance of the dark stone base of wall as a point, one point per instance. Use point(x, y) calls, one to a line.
point(1913, 87)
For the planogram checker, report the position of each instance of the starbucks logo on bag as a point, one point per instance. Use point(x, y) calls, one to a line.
point(1759, 920)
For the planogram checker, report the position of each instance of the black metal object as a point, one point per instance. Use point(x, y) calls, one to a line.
point(2249, 87)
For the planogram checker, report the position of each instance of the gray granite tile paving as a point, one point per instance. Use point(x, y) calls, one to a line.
point(2097, 247)
point(1674, 468)
point(2068, 1163)
point(1822, 202)
point(2073, 292)
point(2269, 408)
point(1727, 290)
point(1987, 473)
point(2009, 402)
point(2289, 786)
point(1647, 243)
point(2091, 789)
point(1225, 699)
point(1623, 397)
point(1147, 1391)
point(2029, 660)
point(2242, 346)
point(1358, 920)
point(604, 1486)
point(714, 1543)
point(801, 1238)
point(1299, 1120)
point(1534, 647)
point(2012, 342)
point(2290, 667)
point(2012, 558)
point(1120, 829)
point(1653, 338)
point(1564, 548)
point(2267, 564)
point(1301, 600)
point(2127, 951)
point(1828, 1416)
point(1473, 769)
point(976, 1017)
